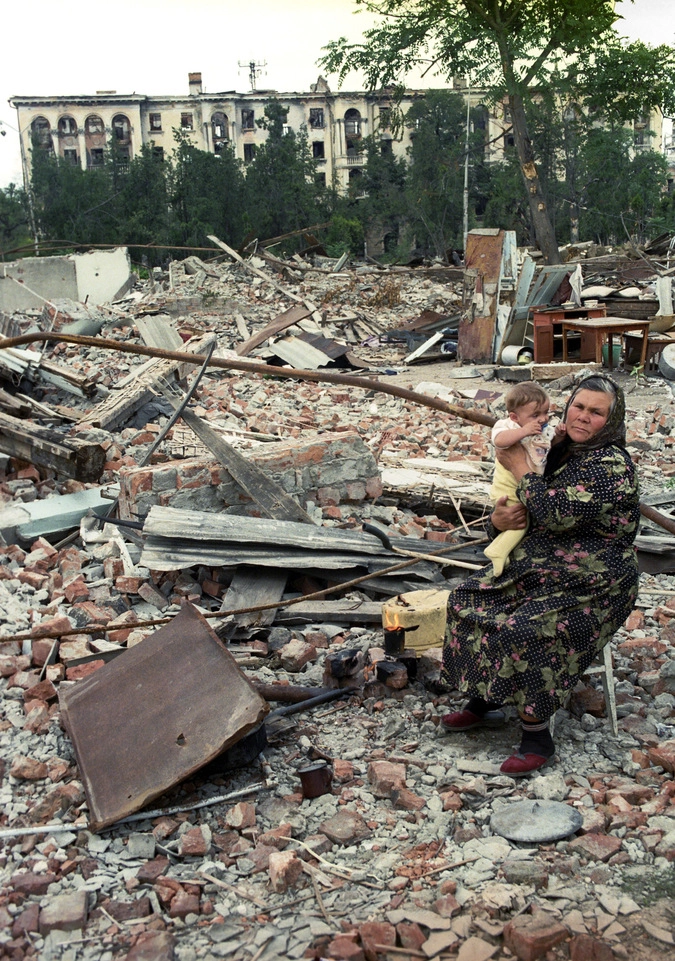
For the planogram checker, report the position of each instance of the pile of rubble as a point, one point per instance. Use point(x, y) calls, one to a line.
point(392, 849)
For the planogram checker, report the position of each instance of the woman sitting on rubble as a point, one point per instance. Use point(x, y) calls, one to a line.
point(526, 636)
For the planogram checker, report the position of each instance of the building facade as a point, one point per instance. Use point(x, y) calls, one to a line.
point(81, 128)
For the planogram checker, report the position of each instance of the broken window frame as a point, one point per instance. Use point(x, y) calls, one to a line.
point(220, 128)
point(121, 128)
point(71, 157)
point(316, 121)
point(352, 122)
point(41, 131)
point(187, 121)
point(67, 126)
point(94, 125)
point(318, 150)
point(95, 158)
point(249, 152)
point(155, 122)
point(247, 119)
point(158, 153)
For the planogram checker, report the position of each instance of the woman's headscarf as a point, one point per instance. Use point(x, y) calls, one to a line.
point(612, 432)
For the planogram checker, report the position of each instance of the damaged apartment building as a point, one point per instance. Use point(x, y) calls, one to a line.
point(80, 128)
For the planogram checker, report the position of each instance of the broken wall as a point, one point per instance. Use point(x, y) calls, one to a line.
point(97, 277)
point(328, 469)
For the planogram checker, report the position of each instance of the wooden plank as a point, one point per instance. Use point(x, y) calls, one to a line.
point(254, 270)
point(270, 497)
point(281, 322)
point(250, 587)
point(163, 554)
point(332, 612)
point(69, 457)
point(158, 331)
point(139, 388)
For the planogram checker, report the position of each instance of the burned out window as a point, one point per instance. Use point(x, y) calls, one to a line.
point(352, 123)
point(42, 132)
point(94, 125)
point(318, 150)
point(186, 122)
point(70, 157)
point(316, 118)
point(155, 121)
point(219, 127)
point(123, 156)
point(320, 180)
point(249, 152)
point(158, 154)
point(386, 148)
point(385, 118)
point(96, 158)
point(121, 129)
point(67, 127)
point(248, 120)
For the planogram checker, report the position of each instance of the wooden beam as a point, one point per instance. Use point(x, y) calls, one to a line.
point(68, 456)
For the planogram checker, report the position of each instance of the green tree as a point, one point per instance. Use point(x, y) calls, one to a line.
point(206, 194)
point(512, 48)
point(434, 189)
point(72, 204)
point(281, 189)
point(14, 219)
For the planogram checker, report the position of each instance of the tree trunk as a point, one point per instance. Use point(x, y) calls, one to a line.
point(543, 227)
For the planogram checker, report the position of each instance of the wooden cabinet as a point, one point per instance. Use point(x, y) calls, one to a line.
point(547, 333)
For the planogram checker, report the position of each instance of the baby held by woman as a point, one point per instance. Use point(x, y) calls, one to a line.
point(527, 406)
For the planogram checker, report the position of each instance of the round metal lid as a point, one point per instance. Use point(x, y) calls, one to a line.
point(536, 821)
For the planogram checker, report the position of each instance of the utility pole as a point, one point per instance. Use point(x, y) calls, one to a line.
point(466, 163)
point(254, 70)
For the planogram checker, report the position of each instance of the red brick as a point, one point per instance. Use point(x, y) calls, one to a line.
point(32, 884)
point(373, 933)
point(596, 847)
point(386, 777)
point(531, 937)
point(663, 755)
point(67, 912)
point(27, 769)
point(285, 869)
point(585, 948)
point(42, 691)
point(183, 904)
point(83, 670)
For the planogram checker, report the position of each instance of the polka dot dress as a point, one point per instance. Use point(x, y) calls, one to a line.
point(526, 636)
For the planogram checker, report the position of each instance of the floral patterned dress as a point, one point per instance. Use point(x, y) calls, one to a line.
point(526, 636)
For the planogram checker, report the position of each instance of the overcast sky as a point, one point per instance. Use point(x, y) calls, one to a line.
point(150, 46)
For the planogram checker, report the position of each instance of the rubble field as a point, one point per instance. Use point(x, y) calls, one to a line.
point(398, 855)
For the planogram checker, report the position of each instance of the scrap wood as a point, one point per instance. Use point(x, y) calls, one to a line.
point(254, 270)
point(99, 628)
point(287, 319)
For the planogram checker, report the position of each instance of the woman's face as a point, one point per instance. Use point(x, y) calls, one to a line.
point(587, 414)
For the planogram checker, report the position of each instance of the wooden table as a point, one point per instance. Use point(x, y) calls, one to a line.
point(606, 326)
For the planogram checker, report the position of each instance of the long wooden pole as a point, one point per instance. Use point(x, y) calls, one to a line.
point(251, 367)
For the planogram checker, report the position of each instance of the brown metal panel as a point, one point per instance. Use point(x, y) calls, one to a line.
point(484, 259)
point(150, 718)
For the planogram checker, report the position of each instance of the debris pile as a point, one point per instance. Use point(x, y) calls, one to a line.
point(243, 554)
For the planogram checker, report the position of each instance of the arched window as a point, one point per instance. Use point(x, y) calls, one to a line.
point(121, 129)
point(42, 132)
point(67, 127)
point(94, 125)
point(352, 123)
point(220, 130)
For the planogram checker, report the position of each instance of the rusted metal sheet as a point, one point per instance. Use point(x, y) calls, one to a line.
point(483, 260)
point(150, 718)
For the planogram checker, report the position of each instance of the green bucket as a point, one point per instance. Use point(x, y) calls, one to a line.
point(616, 354)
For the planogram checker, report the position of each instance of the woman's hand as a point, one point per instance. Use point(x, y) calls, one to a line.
point(514, 459)
point(508, 518)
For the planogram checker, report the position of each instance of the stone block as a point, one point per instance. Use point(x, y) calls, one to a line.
point(66, 912)
point(373, 933)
